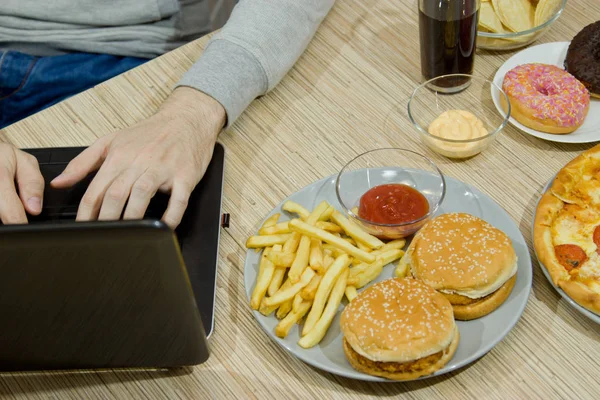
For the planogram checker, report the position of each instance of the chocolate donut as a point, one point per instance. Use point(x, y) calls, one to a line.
point(583, 58)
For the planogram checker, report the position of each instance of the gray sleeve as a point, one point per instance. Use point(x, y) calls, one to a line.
point(254, 50)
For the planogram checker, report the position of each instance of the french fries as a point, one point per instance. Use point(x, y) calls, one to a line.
point(289, 293)
point(309, 263)
point(272, 220)
point(329, 227)
point(372, 272)
point(301, 260)
point(325, 286)
point(308, 230)
point(284, 309)
point(387, 257)
point(291, 245)
point(276, 281)
point(267, 240)
point(316, 334)
point(363, 247)
point(297, 302)
point(394, 244)
point(283, 327)
point(265, 273)
point(325, 215)
point(308, 293)
point(351, 292)
point(302, 255)
point(334, 251)
point(315, 259)
point(281, 227)
point(281, 259)
point(266, 311)
point(327, 260)
point(278, 273)
point(354, 231)
point(295, 208)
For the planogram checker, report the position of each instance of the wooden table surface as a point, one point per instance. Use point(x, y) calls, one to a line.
point(347, 94)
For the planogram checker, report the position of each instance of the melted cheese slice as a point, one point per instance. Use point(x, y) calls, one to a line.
point(576, 225)
point(581, 184)
point(591, 268)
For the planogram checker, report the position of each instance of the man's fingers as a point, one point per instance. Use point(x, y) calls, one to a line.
point(81, 166)
point(30, 182)
point(141, 193)
point(11, 208)
point(180, 195)
point(90, 204)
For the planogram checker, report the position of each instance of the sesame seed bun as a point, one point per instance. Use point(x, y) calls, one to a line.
point(400, 329)
point(465, 258)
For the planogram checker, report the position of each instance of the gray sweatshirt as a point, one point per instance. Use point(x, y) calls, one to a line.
point(248, 57)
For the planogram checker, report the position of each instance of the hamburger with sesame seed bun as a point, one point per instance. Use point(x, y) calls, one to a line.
point(466, 259)
point(399, 329)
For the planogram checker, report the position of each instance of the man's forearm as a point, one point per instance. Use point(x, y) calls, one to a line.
point(254, 50)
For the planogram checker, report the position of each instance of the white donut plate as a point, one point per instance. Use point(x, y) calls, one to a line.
point(554, 54)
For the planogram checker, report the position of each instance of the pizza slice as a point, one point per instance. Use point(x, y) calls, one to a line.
point(567, 230)
point(579, 181)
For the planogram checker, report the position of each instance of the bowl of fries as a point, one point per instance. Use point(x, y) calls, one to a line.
point(512, 24)
point(389, 166)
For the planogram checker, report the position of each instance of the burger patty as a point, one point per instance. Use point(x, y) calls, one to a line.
point(394, 367)
point(460, 300)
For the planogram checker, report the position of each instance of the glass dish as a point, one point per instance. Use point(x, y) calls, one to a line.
point(427, 103)
point(387, 166)
point(515, 40)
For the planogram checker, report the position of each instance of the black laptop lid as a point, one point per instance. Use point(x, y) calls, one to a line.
point(119, 297)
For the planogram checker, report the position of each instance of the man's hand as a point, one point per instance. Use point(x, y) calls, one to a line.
point(169, 151)
point(21, 168)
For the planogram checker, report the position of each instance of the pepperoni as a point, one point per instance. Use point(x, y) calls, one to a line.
point(570, 255)
point(597, 238)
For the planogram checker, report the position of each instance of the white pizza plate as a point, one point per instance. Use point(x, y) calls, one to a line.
point(477, 337)
point(593, 316)
point(554, 54)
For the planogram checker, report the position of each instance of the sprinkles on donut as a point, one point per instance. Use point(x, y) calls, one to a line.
point(546, 98)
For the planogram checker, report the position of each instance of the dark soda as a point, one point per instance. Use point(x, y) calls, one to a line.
point(448, 35)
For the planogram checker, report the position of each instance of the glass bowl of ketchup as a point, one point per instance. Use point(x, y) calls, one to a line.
point(391, 193)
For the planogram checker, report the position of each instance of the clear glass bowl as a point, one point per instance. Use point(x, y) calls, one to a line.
point(427, 103)
point(516, 40)
point(387, 166)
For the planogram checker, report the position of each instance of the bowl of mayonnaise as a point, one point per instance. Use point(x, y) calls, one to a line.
point(457, 124)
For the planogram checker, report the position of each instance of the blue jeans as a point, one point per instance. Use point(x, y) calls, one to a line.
point(29, 84)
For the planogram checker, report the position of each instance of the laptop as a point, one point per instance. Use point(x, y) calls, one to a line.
point(109, 294)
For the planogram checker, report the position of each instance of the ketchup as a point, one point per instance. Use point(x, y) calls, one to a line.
point(393, 203)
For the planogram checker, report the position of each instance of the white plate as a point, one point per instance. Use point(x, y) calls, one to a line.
point(593, 316)
point(477, 337)
point(554, 54)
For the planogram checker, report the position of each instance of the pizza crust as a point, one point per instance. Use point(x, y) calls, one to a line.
point(548, 208)
point(581, 294)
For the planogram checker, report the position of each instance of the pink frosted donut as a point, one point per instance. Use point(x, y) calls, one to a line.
point(546, 98)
